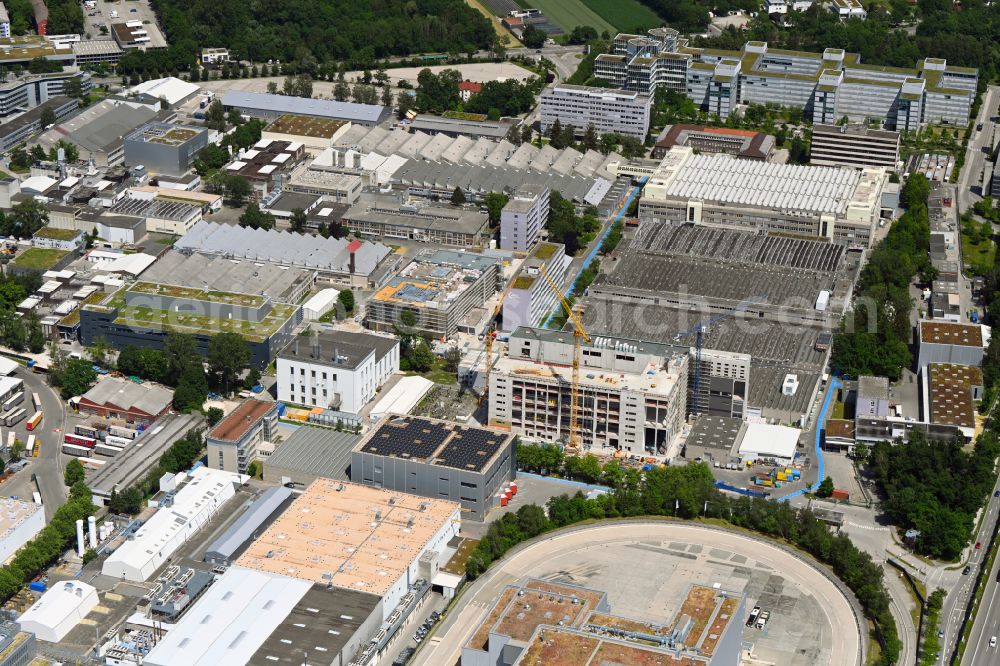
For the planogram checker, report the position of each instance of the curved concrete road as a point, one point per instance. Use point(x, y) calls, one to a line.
point(841, 612)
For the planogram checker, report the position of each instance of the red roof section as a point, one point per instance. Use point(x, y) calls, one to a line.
point(354, 246)
point(471, 86)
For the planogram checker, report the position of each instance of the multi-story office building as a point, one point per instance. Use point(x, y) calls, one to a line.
point(609, 111)
point(531, 296)
point(523, 217)
point(336, 370)
point(232, 444)
point(20, 128)
point(29, 91)
point(393, 216)
point(438, 289)
point(841, 205)
point(164, 148)
point(746, 144)
point(853, 145)
point(438, 459)
point(827, 86)
point(632, 394)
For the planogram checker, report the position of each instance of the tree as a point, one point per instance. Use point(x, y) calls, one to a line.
point(36, 338)
point(346, 300)
point(28, 217)
point(298, 221)
point(228, 356)
point(215, 116)
point(255, 218)
point(192, 389)
point(421, 357)
point(214, 415)
point(74, 472)
point(211, 157)
point(404, 102)
point(341, 91)
point(48, 117)
point(825, 488)
point(590, 137)
point(387, 96)
point(514, 135)
point(15, 334)
point(495, 202)
point(78, 377)
point(458, 197)
point(533, 37)
point(526, 133)
point(237, 189)
point(181, 352)
point(252, 379)
point(452, 359)
point(17, 450)
point(303, 86)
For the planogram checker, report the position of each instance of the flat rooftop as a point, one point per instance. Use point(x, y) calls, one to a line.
point(396, 211)
point(338, 349)
point(436, 442)
point(241, 420)
point(654, 380)
point(284, 104)
point(950, 393)
point(311, 126)
point(726, 179)
point(947, 333)
point(349, 535)
point(321, 452)
point(13, 513)
point(715, 432)
point(165, 134)
point(435, 281)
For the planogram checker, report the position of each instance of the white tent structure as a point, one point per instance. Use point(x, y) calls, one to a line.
point(59, 610)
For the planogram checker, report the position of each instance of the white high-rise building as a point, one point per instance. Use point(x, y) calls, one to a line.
point(523, 217)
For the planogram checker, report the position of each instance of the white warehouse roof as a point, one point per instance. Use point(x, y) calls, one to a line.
point(402, 397)
point(195, 503)
point(231, 621)
point(59, 610)
point(172, 89)
point(7, 366)
point(369, 113)
point(763, 440)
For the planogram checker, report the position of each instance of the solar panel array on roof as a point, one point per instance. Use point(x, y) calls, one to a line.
point(416, 439)
point(470, 449)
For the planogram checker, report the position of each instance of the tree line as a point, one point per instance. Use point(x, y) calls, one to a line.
point(324, 30)
point(689, 492)
point(49, 544)
point(181, 455)
point(877, 342)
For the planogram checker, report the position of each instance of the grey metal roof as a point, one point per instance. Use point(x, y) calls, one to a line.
point(282, 247)
point(475, 128)
point(215, 271)
point(305, 106)
point(149, 398)
point(321, 452)
point(350, 348)
point(240, 532)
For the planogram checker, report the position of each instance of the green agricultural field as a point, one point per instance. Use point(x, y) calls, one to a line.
point(567, 14)
point(625, 15)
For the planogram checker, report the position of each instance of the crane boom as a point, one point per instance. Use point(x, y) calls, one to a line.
point(579, 337)
point(490, 333)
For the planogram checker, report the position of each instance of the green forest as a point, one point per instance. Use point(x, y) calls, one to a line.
point(324, 30)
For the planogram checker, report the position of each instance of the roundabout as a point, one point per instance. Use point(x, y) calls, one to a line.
point(645, 568)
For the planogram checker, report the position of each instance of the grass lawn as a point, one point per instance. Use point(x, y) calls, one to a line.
point(625, 15)
point(39, 258)
point(838, 410)
point(568, 14)
point(978, 254)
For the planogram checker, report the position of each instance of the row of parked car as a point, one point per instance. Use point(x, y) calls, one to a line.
point(425, 628)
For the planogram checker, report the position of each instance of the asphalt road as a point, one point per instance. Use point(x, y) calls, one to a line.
point(446, 646)
point(48, 467)
point(969, 182)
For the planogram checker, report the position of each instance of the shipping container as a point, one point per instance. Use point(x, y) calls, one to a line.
point(86, 431)
point(107, 450)
point(37, 497)
point(119, 431)
point(14, 417)
point(74, 450)
point(120, 442)
point(36, 586)
point(35, 419)
point(840, 494)
point(36, 401)
point(12, 401)
point(80, 440)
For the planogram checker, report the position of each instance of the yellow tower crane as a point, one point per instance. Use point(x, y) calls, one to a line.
point(579, 337)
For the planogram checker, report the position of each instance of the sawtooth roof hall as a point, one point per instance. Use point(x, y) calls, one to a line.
point(362, 262)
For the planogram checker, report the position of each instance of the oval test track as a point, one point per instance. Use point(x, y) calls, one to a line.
point(841, 612)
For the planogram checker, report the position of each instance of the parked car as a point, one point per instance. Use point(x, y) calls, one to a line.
point(966, 570)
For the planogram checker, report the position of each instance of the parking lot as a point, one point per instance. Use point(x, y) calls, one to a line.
point(121, 11)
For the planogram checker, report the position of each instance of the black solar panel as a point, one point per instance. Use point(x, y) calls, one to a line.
point(407, 438)
point(471, 449)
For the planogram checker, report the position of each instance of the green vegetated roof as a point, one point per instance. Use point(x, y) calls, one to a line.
point(144, 317)
point(73, 318)
point(229, 298)
point(545, 250)
point(523, 282)
point(39, 258)
point(57, 234)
